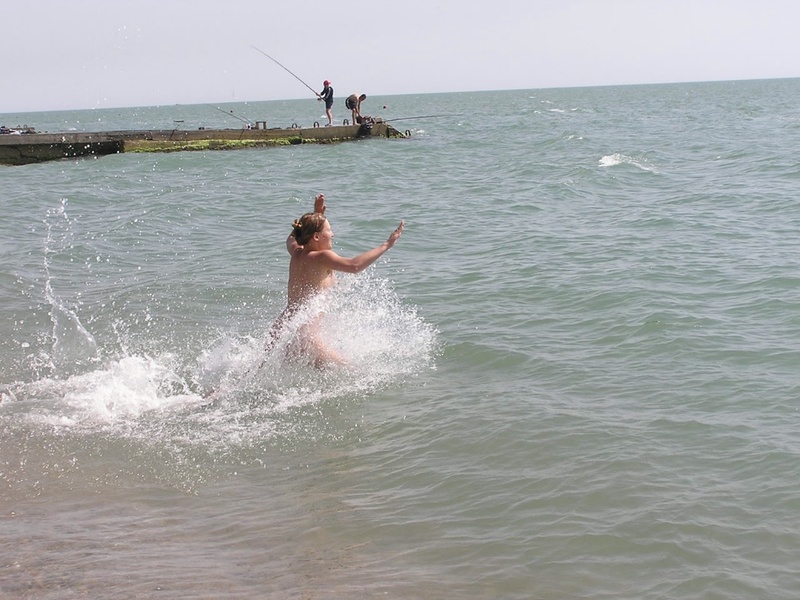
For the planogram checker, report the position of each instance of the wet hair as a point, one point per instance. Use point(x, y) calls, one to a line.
point(306, 226)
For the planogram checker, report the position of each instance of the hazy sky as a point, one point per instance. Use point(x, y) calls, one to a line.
point(74, 54)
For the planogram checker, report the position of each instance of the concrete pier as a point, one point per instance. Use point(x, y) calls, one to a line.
point(38, 147)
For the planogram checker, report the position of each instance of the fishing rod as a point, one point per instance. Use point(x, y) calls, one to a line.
point(420, 117)
point(288, 71)
point(231, 114)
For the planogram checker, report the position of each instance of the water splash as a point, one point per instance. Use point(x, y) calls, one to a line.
point(381, 339)
point(235, 392)
point(71, 341)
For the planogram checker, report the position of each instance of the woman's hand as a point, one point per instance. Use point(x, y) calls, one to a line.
point(396, 234)
point(319, 204)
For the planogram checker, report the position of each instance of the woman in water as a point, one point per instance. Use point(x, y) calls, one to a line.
point(311, 272)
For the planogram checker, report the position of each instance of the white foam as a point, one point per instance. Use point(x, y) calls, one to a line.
point(235, 388)
point(119, 392)
point(617, 158)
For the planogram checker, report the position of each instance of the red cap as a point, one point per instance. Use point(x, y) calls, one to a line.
point(326, 82)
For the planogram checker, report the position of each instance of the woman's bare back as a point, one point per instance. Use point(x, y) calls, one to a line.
point(307, 278)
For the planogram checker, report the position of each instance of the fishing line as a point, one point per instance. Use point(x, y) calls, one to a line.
point(287, 70)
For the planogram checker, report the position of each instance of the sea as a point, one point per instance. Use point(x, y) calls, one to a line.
point(575, 376)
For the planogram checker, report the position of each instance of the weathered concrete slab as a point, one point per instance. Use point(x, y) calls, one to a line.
point(39, 147)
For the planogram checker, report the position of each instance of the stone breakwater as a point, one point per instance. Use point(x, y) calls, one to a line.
point(38, 147)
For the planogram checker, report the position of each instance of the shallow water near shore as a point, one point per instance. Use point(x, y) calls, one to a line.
point(575, 375)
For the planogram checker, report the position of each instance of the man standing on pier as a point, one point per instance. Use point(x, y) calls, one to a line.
point(327, 95)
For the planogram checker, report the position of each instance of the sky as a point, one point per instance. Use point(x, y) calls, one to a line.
point(84, 54)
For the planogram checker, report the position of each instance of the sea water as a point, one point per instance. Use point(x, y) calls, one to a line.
point(576, 375)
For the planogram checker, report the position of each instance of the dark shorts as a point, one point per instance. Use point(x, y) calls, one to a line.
point(349, 103)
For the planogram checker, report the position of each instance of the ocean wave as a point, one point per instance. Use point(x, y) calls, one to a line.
point(616, 159)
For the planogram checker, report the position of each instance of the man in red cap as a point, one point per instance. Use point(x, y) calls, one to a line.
point(327, 95)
